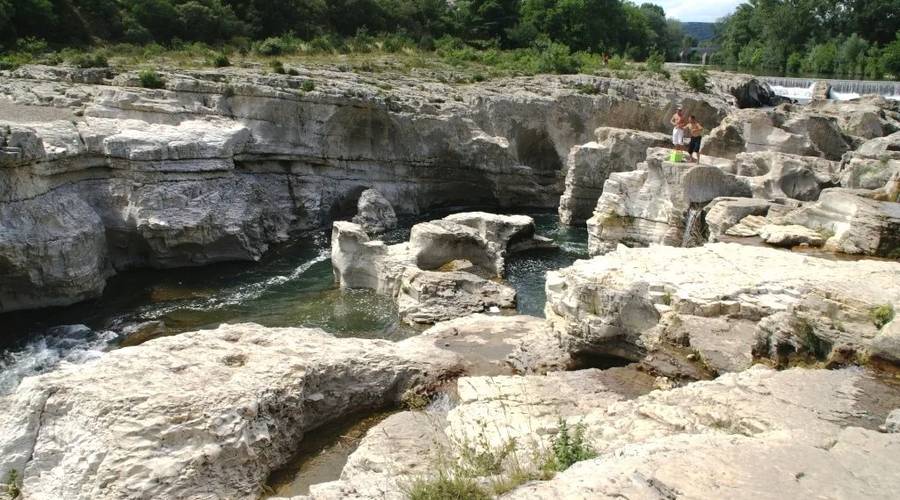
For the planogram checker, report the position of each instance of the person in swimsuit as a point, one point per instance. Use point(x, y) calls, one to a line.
point(679, 123)
point(696, 131)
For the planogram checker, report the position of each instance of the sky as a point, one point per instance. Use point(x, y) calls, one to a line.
point(696, 10)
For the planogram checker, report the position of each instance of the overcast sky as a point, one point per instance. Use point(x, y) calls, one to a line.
point(696, 10)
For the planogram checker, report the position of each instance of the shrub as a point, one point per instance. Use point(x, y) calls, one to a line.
point(655, 62)
point(445, 487)
point(569, 448)
point(12, 484)
point(220, 60)
point(151, 80)
point(557, 58)
point(308, 86)
point(882, 315)
point(617, 63)
point(89, 61)
point(696, 79)
point(277, 67)
point(270, 47)
point(794, 63)
point(293, 72)
point(396, 43)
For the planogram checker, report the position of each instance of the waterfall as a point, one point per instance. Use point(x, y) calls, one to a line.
point(693, 227)
point(801, 88)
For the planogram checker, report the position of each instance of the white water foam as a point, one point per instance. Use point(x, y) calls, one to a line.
point(49, 353)
point(241, 294)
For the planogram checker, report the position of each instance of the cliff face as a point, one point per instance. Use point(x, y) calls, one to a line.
point(100, 177)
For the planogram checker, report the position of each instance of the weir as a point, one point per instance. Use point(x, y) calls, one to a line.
point(841, 90)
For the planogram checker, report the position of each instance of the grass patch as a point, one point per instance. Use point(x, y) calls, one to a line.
point(220, 60)
point(568, 448)
point(446, 487)
point(95, 60)
point(151, 80)
point(12, 484)
point(308, 86)
point(882, 315)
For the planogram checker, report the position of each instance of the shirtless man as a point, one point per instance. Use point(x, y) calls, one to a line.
point(679, 121)
point(696, 134)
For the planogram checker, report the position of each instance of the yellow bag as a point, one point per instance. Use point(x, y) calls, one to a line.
point(676, 156)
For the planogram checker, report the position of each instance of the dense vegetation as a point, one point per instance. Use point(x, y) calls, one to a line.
point(267, 27)
point(842, 37)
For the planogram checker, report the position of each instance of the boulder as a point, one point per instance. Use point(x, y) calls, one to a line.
point(886, 344)
point(778, 175)
point(375, 213)
point(197, 415)
point(745, 91)
point(790, 236)
point(433, 244)
point(428, 297)
point(892, 422)
point(51, 253)
point(725, 212)
point(589, 165)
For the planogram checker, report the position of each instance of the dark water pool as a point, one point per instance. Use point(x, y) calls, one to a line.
point(292, 285)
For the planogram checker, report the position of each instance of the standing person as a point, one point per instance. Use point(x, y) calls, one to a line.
point(696, 130)
point(679, 122)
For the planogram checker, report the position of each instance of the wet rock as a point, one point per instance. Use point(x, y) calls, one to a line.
point(142, 332)
point(375, 213)
point(198, 414)
point(589, 165)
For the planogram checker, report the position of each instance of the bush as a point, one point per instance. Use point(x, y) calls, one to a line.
point(277, 67)
point(293, 72)
point(89, 61)
point(151, 80)
point(220, 60)
point(569, 448)
point(882, 315)
point(617, 63)
point(12, 484)
point(696, 79)
point(557, 58)
point(308, 86)
point(396, 43)
point(271, 47)
point(655, 62)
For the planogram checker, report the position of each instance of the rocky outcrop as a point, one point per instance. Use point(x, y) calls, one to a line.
point(723, 213)
point(200, 414)
point(781, 130)
point(500, 345)
point(614, 304)
point(651, 204)
point(857, 224)
point(778, 176)
point(221, 164)
point(769, 432)
point(745, 91)
point(375, 213)
point(589, 165)
point(445, 271)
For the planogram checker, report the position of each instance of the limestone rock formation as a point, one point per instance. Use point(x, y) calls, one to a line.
point(783, 131)
point(589, 165)
point(776, 175)
point(445, 269)
point(221, 164)
point(725, 212)
point(201, 414)
point(613, 304)
point(860, 225)
point(375, 213)
point(650, 204)
point(498, 345)
point(790, 235)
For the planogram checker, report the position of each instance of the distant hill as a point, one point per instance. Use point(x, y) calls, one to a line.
point(699, 31)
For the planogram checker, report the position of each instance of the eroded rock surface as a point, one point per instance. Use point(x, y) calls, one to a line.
point(201, 414)
point(375, 213)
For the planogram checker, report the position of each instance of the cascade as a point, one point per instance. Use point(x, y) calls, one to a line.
point(693, 226)
point(801, 88)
